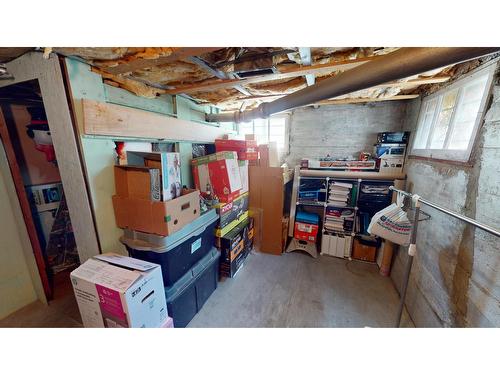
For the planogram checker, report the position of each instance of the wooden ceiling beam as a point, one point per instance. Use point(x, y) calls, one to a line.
point(365, 100)
point(410, 83)
point(178, 54)
point(284, 73)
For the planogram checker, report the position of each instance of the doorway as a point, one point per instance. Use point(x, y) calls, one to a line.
point(26, 137)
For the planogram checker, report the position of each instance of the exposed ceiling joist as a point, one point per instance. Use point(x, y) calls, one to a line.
point(284, 74)
point(179, 54)
point(366, 100)
point(217, 73)
point(305, 57)
point(410, 83)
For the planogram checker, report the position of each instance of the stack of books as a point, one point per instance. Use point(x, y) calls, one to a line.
point(339, 195)
point(339, 219)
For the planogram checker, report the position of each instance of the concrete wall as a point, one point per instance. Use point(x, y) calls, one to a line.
point(341, 131)
point(455, 280)
point(17, 288)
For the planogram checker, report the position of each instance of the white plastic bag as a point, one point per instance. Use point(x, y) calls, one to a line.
point(392, 223)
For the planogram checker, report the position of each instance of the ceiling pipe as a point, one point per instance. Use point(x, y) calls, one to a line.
point(402, 63)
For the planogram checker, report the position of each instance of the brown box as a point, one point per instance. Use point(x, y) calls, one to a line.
point(162, 218)
point(267, 193)
point(137, 182)
point(264, 155)
point(364, 250)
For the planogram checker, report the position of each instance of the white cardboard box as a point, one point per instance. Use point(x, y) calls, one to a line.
point(243, 164)
point(115, 291)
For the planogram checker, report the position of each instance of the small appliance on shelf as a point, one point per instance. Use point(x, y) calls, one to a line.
point(390, 151)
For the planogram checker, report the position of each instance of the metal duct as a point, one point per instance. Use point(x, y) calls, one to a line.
point(402, 63)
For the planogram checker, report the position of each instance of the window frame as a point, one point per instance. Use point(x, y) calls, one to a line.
point(286, 147)
point(446, 154)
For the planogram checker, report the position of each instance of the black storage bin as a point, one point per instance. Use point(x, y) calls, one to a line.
point(188, 295)
point(178, 252)
point(376, 192)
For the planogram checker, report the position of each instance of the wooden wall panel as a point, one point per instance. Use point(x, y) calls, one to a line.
point(115, 120)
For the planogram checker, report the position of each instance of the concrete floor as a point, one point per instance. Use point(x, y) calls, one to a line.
point(296, 290)
point(292, 290)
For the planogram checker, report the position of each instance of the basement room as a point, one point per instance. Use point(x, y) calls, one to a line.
point(227, 185)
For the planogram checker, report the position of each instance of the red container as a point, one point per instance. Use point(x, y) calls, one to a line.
point(306, 232)
point(247, 149)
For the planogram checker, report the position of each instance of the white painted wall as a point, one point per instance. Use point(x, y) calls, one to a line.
point(19, 280)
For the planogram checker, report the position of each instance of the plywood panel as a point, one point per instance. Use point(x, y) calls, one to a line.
point(115, 120)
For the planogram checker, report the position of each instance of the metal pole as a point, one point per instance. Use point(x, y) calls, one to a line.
point(411, 253)
point(482, 226)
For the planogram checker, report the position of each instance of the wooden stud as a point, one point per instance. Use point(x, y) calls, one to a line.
point(283, 74)
point(178, 54)
point(116, 120)
point(366, 100)
point(49, 75)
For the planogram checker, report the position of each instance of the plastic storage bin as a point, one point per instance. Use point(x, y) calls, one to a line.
point(176, 253)
point(188, 295)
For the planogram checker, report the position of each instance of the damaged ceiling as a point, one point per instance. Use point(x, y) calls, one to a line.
point(239, 77)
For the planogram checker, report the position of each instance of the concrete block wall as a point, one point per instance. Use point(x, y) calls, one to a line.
point(455, 280)
point(343, 130)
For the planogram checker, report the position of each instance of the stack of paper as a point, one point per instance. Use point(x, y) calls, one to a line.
point(339, 219)
point(339, 193)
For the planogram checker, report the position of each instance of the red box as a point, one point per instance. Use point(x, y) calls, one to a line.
point(306, 232)
point(247, 149)
point(219, 173)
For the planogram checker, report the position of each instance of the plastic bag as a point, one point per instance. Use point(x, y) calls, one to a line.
point(392, 223)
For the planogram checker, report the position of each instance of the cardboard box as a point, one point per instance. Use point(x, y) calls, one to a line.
point(219, 174)
point(116, 291)
point(364, 250)
point(274, 160)
point(264, 155)
point(219, 232)
point(137, 182)
point(170, 170)
point(229, 212)
point(391, 164)
point(235, 247)
point(162, 218)
point(267, 193)
point(246, 149)
point(306, 232)
point(243, 165)
point(169, 323)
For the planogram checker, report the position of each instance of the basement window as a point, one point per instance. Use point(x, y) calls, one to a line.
point(450, 118)
point(273, 129)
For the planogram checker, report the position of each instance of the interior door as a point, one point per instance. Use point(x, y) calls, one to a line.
point(25, 206)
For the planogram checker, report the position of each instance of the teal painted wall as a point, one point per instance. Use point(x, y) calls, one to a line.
point(98, 151)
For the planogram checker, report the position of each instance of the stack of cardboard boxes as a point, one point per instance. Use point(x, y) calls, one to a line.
point(222, 178)
point(110, 289)
point(149, 197)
